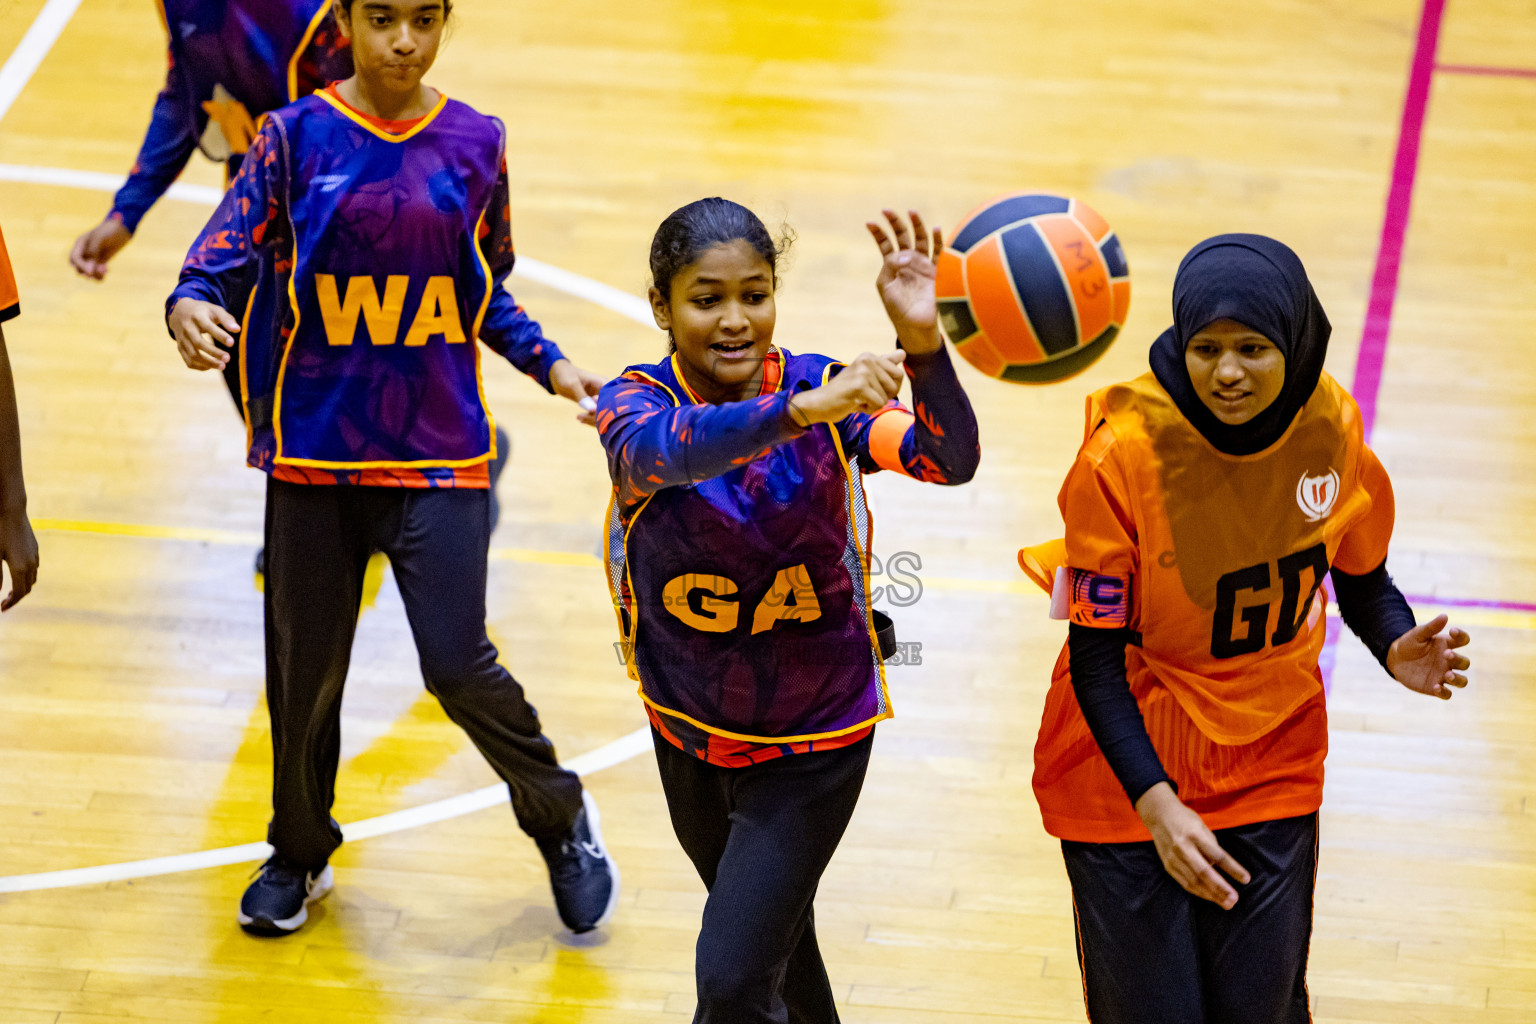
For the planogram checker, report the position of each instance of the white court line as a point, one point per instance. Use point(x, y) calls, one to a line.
point(606, 756)
point(23, 62)
point(607, 296)
point(610, 298)
point(95, 181)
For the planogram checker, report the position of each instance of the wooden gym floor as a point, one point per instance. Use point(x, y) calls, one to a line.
point(1393, 147)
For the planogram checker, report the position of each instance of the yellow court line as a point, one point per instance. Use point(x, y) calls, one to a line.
point(531, 555)
point(1024, 587)
point(540, 557)
point(205, 536)
point(1492, 618)
point(248, 538)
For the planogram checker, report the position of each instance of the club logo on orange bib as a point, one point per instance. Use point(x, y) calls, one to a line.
point(1315, 495)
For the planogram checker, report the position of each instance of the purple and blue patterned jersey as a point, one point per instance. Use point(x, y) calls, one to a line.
point(230, 62)
point(364, 258)
point(738, 549)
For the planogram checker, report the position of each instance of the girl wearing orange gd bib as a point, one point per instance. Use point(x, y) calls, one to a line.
point(1180, 757)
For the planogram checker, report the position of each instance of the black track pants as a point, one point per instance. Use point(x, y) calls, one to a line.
point(760, 838)
point(318, 540)
point(1153, 954)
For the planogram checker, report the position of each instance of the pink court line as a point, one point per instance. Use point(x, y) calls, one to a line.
point(1394, 228)
point(1389, 252)
point(1327, 659)
point(1486, 69)
point(1470, 602)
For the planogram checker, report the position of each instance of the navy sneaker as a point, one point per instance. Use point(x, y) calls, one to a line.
point(503, 453)
point(583, 876)
point(277, 903)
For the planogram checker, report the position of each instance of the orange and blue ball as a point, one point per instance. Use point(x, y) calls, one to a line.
point(1033, 288)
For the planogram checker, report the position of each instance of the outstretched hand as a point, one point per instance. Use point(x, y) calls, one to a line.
point(907, 279)
point(1425, 661)
point(580, 386)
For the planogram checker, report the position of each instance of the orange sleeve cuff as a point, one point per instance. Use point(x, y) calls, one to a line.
point(886, 434)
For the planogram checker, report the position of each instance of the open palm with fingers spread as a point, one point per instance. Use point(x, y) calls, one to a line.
point(1425, 660)
point(907, 279)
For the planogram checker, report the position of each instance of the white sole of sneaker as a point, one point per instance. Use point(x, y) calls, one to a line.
point(318, 890)
point(594, 823)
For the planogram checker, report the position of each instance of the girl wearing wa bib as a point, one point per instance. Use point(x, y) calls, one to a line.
point(378, 209)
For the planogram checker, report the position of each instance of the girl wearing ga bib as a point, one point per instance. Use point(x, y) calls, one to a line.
point(737, 555)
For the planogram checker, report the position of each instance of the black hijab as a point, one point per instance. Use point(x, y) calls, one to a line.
point(1261, 284)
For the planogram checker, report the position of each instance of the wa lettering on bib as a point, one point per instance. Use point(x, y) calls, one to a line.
point(389, 288)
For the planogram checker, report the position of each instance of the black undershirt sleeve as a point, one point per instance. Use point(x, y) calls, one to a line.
point(1374, 608)
point(1097, 660)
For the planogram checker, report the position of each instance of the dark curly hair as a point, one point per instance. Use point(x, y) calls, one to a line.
point(690, 230)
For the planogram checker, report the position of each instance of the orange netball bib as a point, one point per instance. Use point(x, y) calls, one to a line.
point(1217, 559)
